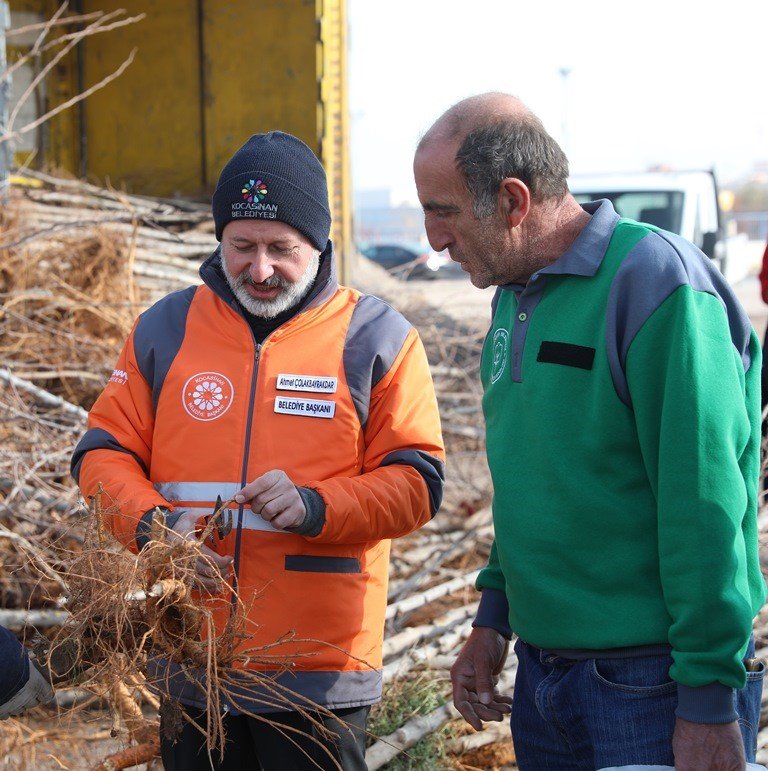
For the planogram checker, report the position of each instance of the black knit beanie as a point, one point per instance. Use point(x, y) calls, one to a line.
point(275, 176)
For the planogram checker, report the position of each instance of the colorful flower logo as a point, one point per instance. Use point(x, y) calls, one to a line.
point(207, 395)
point(254, 190)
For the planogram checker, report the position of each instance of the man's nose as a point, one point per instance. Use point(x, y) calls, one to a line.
point(260, 268)
point(438, 235)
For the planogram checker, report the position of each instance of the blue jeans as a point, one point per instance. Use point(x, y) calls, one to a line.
point(570, 715)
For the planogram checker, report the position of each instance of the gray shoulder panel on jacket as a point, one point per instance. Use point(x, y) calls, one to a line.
point(657, 265)
point(98, 439)
point(375, 337)
point(159, 335)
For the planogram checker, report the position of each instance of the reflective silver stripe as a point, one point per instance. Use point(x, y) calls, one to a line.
point(335, 690)
point(253, 521)
point(196, 491)
point(207, 491)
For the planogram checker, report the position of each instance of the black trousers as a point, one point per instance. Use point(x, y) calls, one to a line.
point(253, 745)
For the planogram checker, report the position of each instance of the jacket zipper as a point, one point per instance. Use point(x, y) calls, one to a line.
point(246, 456)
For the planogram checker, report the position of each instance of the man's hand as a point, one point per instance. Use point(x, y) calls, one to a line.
point(275, 499)
point(37, 690)
point(703, 747)
point(210, 568)
point(474, 676)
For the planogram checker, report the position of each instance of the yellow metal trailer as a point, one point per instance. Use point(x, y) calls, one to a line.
point(207, 74)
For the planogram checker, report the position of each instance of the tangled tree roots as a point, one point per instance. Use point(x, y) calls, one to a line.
point(128, 610)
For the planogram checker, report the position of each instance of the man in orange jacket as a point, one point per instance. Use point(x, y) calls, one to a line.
point(313, 406)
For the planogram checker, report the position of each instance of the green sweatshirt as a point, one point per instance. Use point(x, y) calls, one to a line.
point(621, 398)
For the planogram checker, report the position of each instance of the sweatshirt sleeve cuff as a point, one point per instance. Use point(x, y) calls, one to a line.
point(314, 519)
point(494, 612)
point(713, 703)
point(144, 527)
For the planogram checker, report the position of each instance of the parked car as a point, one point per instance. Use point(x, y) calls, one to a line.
point(408, 261)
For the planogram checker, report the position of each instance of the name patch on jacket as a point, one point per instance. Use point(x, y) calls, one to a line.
point(566, 353)
point(312, 408)
point(316, 383)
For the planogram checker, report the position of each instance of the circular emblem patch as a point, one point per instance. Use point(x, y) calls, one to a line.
point(500, 353)
point(207, 395)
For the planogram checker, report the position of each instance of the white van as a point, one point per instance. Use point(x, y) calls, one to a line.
point(683, 202)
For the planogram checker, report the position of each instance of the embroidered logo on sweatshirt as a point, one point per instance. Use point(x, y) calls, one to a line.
point(207, 395)
point(500, 353)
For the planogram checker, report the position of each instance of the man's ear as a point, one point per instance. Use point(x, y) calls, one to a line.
point(515, 199)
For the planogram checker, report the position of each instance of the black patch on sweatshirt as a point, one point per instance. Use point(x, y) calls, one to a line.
point(566, 353)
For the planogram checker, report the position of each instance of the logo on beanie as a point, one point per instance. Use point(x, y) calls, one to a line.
point(254, 190)
point(252, 193)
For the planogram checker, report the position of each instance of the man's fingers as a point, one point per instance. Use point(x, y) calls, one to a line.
point(274, 493)
point(461, 699)
point(293, 516)
point(466, 710)
point(209, 585)
point(475, 713)
point(259, 486)
point(211, 569)
point(269, 510)
point(221, 561)
point(490, 715)
point(206, 570)
point(484, 684)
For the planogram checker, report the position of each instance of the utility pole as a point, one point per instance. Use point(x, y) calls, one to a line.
point(564, 73)
point(5, 98)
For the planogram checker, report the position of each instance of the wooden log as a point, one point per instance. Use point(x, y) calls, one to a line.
point(160, 257)
point(429, 595)
point(471, 432)
point(44, 397)
point(397, 644)
point(491, 733)
point(448, 643)
point(463, 542)
point(133, 756)
point(77, 697)
point(7, 484)
point(389, 747)
point(167, 274)
point(166, 205)
point(18, 619)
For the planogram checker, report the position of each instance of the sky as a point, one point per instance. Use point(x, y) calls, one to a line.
point(671, 82)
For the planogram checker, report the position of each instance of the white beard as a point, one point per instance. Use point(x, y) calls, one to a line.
point(291, 293)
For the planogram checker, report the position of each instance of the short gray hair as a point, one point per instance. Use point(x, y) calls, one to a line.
point(514, 147)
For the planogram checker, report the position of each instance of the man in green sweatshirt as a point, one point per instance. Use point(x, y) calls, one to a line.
point(622, 402)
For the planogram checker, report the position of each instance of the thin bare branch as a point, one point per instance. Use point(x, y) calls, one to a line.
point(74, 100)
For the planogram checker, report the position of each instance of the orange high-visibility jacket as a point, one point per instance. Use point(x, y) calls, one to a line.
point(340, 397)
